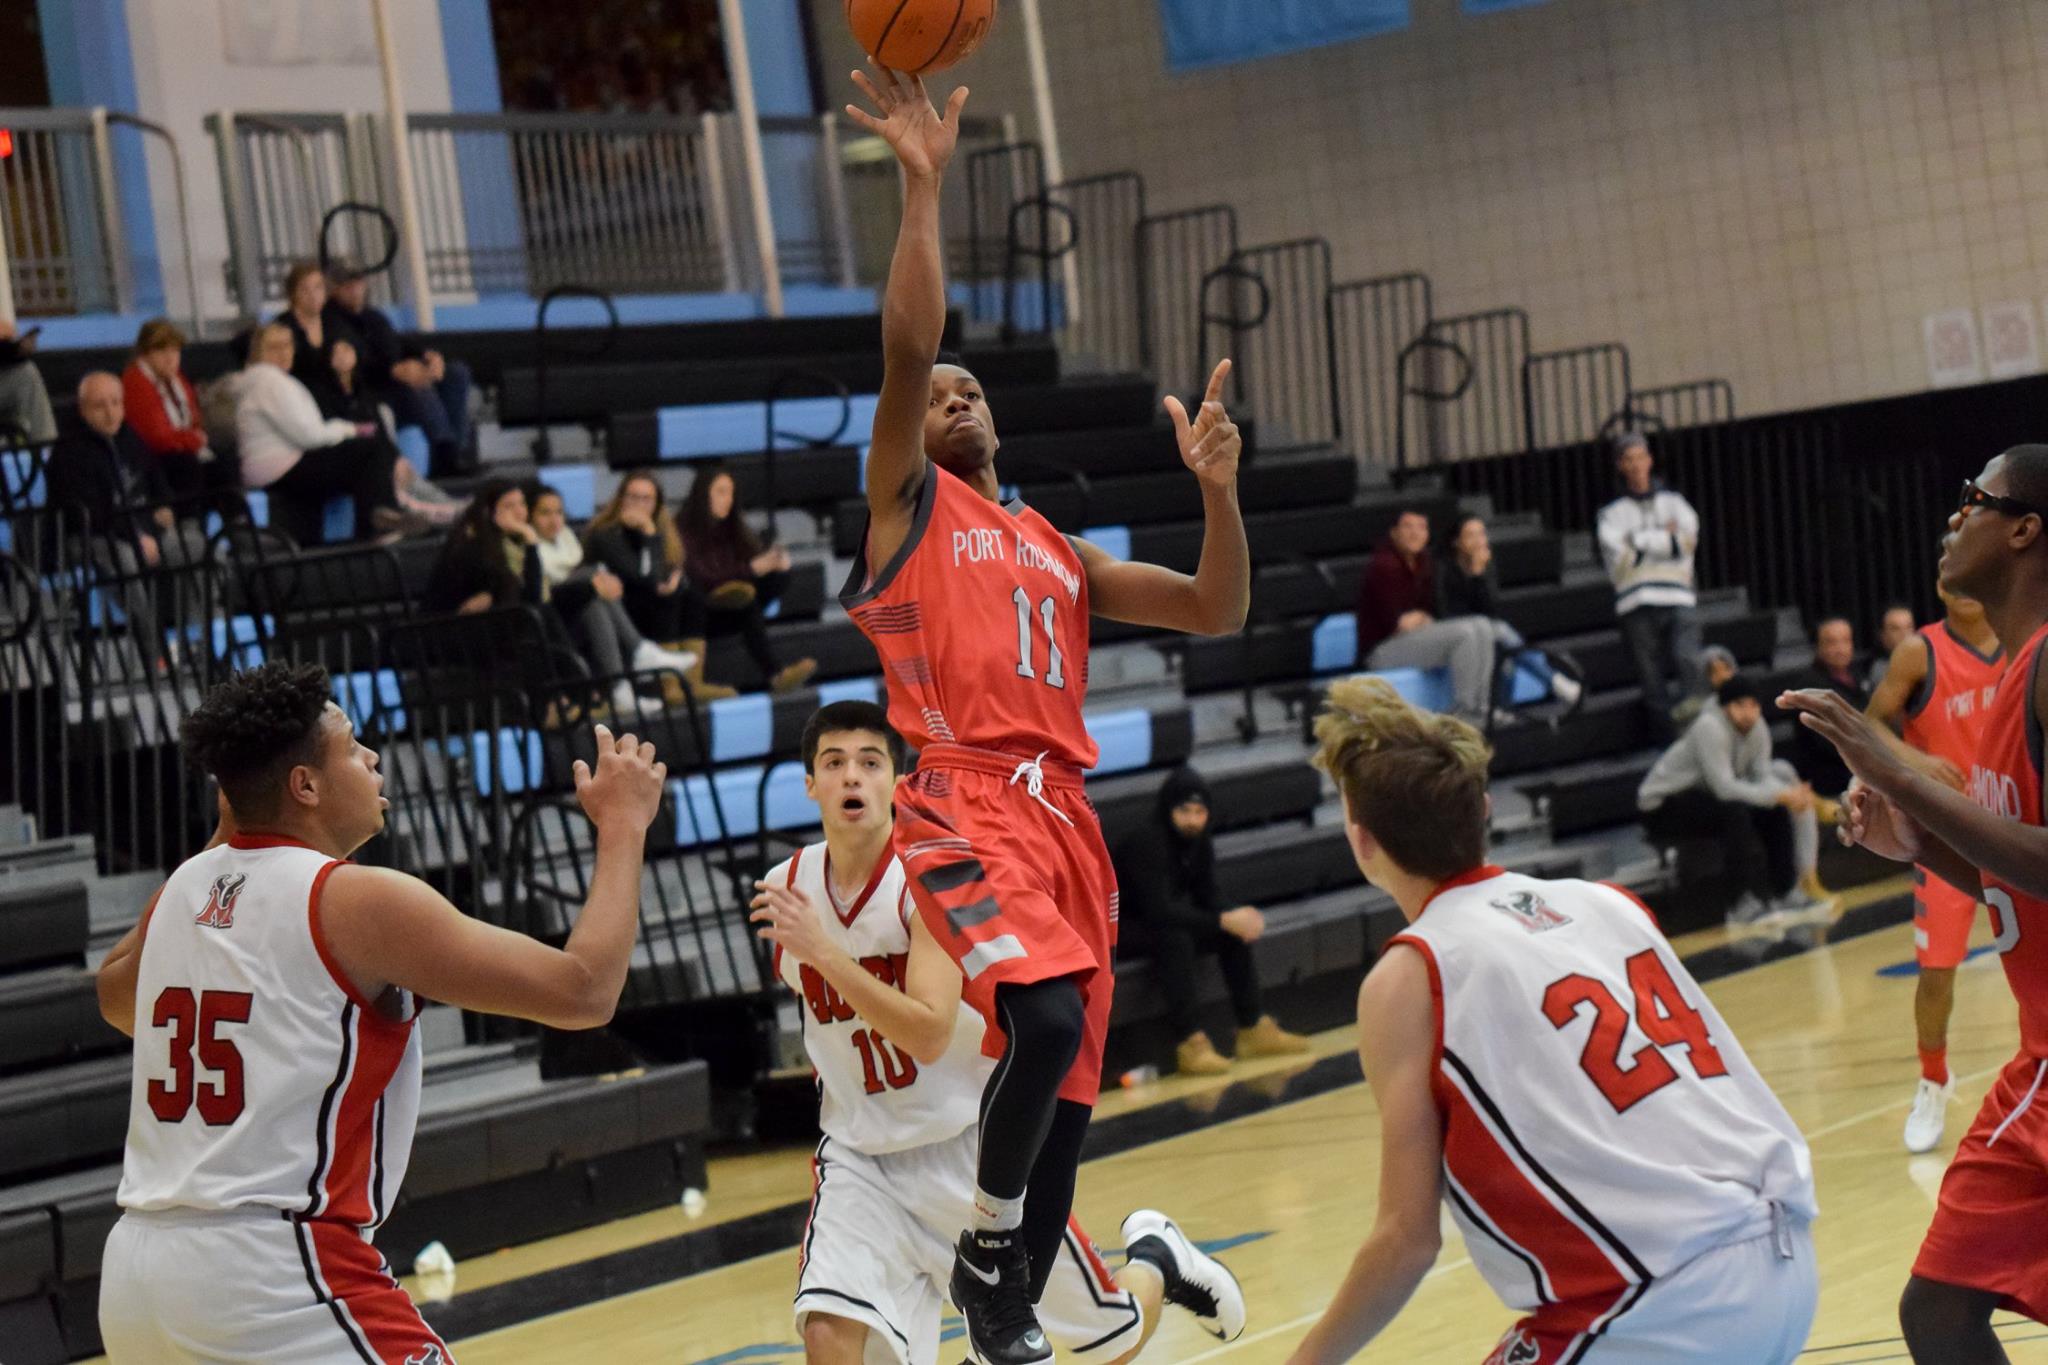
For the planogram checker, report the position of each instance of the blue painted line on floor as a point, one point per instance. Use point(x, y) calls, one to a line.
point(1912, 968)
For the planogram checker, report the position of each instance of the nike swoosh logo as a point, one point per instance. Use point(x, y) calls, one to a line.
point(1035, 1342)
point(991, 1278)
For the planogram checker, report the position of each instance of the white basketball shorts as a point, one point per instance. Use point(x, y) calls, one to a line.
point(879, 1249)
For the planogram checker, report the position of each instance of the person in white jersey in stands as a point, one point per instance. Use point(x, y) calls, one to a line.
point(901, 1073)
point(271, 988)
point(1544, 1065)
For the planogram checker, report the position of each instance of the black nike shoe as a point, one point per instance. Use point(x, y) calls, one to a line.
point(992, 1289)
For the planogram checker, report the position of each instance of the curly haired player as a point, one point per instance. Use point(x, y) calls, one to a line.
point(271, 988)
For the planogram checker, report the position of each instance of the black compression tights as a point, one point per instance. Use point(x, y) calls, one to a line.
point(1030, 1138)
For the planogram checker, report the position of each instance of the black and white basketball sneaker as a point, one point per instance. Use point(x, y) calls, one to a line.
point(1195, 1280)
point(992, 1289)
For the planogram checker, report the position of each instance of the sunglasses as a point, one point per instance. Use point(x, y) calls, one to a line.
point(1975, 497)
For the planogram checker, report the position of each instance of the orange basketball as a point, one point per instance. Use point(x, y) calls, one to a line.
point(920, 36)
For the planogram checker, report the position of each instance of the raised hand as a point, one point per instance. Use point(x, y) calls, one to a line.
point(624, 791)
point(1210, 444)
point(1854, 735)
point(922, 138)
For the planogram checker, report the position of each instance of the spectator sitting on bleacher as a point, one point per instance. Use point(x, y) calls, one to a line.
point(423, 387)
point(492, 559)
point(1647, 537)
point(353, 401)
point(107, 486)
point(313, 333)
point(1398, 628)
point(1894, 628)
point(1719, 781)
point(163, 410)
point(568, 576)
point(732, 578)
point(635, 537)
point(301, 458)
point(1833, 669)
point(1171, 912)
point(1468, 584)
point(25, 412)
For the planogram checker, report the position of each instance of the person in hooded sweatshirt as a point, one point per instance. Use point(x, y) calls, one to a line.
point(1170, 912)
point(1647, 538)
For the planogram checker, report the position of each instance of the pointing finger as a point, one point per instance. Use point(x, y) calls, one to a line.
point(1216, 382)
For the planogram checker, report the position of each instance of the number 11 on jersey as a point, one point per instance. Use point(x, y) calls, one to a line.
point(1055, 674)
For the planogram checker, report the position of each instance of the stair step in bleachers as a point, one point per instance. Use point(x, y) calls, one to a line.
point(52, 1016)
point(43, 926)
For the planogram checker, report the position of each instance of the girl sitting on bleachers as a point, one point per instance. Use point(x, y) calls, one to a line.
point(492, 560)
point(733, 575)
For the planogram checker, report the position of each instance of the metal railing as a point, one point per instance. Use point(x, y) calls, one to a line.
point(1371, 323)
point(1177, 254)
point(1461, 384)
point(280, 173)
point(60, 214)
point(1100, 320)
point(1282, 348)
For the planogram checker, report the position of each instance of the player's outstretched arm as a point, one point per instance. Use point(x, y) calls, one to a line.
point(1397, 1047)
point(1887, 706)
point(914, 303)
point(919, 1018)
point(1215, 600)
point(383, 928)
point(1955, 836)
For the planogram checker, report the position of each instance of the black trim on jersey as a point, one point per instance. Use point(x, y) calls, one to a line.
point(313, 1282)
point(1997, 652)
point(377, 1168)
point(1635, 1296)
point(1571, 1201)
point(964, 917)
point(1923, 691)
point(853, 594)
point(1485, 1225)
point(952, 876)
point(880, 1316)
point(320, 1154)
point(1088, 1277)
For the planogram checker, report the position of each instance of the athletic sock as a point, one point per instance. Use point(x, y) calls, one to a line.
point(992, 1214)
point(1934, 1064)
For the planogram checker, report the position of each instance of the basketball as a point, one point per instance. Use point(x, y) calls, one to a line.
point(920, 36)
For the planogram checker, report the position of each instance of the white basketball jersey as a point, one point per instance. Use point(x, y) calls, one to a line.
point(1602, 1125)
point(262, 1078)
point(873, 1096)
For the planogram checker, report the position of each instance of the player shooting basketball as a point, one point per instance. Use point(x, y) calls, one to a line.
point(979, 611)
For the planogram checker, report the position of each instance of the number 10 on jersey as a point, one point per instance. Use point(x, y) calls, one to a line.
point(1055, 668)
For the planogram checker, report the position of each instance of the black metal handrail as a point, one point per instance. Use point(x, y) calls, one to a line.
point(1238, 324)
point(1044, 252)
point(543, 446)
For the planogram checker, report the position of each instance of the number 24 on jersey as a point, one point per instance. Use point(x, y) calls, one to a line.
point(1661, 1013)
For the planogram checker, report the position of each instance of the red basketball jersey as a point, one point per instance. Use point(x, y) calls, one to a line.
point(2006, 779)
point(1954, 700)
point(981, 620)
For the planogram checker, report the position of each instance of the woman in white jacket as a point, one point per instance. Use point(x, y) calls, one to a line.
point(301, 458)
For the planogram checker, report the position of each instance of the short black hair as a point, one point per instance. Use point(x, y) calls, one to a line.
point(2026, 474)
point(1738, 688)
point(952, 358)
point(841, 716)
point(253, 728)
point(1412, 509)
point(1830, 619)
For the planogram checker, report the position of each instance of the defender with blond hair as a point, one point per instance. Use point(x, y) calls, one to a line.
point(1544, 1064)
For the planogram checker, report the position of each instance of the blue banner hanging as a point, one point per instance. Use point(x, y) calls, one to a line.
point(1203, 33)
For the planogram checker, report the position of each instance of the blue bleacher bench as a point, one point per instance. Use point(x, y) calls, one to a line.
point(711, 430)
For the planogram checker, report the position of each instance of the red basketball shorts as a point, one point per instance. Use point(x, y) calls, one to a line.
point(1018, 888)
point(1986, 1232)
point(1942, 917)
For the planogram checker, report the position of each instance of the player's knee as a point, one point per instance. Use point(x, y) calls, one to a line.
point(1046, 1016)
point(830, 1340)
point(1931, 1313)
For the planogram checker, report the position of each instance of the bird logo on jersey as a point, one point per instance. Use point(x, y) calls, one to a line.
point(1527, 909)
point(1516, 1348)
point(429, 1356)
point(220, 902)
